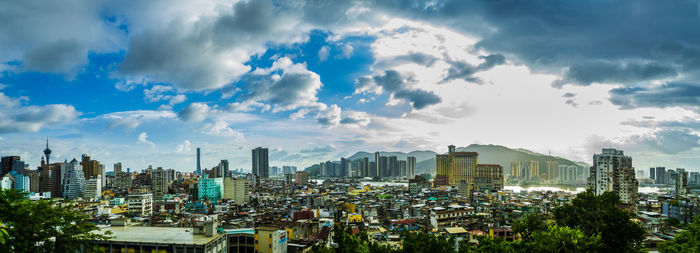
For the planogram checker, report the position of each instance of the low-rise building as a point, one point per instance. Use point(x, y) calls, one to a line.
point(140, 204)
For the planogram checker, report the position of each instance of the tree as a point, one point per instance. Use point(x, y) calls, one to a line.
point(562, 239)
point(686, 241)
point(43, 225)
point(423, 242)
point(528, 225)
point(599, 216)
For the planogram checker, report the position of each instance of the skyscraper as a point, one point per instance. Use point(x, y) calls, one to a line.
point(455, 167)
point(73, 180)
point(159, 183)
point(515, 169)
point(198, 171)
point(410, 167)
point(375, 168)
point(393, 166)
point(613, 171)
point(260, 162)
point(7, 162)
point(660, 175)
point(117, 168)
point(401, 168)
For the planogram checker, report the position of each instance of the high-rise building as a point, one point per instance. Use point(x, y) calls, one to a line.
point(91, 168)
point(613, 171)
point(73, 180)
point(221, 170)
point(22, 182)
point(117, 168)
point(660, 175)
point(260, 162)
point(6, 163)
point(678, 182)
point(50, 178)
point(651, 173)
point(372, 169)
point(383, 167)
point(375, 168)
point(93, 188)
point(515, 170)
point(455, 167)
point(237, 190)
point(552, 170)
point(488, 177)
point(401, 168)
point(534, 169)
point(159, 183)
point(301, 177)
point(198, 171)
point(411, 166)
point(122, 181)
point(344, 168)
point(393, 166)
point(210, 188)
point(640, 173)
point(289, 169)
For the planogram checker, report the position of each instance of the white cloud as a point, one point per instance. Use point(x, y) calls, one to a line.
point(323, 53)
point(133, 119)
point(142, 139)
point(185, 147)
point(221, 128)
point(347, 51)
point(18, 118)
point(194, 112)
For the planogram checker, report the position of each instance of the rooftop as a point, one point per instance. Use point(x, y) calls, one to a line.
point(161, 235)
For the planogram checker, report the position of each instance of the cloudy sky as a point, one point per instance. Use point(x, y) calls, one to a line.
point(146, 82)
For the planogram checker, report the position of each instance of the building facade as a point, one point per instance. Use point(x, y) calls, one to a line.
point(260, 162)
point(613, 171)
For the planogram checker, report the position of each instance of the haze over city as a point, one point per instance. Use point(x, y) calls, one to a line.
point(145, 82)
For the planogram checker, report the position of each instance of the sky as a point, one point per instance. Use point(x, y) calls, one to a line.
point(147, 82)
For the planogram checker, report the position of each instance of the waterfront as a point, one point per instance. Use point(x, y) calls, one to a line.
point(514, 188)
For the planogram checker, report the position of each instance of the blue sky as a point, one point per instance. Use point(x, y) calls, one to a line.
point(145, 83)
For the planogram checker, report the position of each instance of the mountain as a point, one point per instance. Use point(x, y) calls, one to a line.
point(491, 154)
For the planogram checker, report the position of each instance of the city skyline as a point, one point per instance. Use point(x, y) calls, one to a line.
point(133, 83)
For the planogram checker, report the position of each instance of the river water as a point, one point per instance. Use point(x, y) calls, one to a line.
point(514, 188)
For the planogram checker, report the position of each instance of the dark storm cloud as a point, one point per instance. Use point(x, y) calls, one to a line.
point(419, 98)
point(602, 72)
point(56, 57)
point(465, 71)
point(394, 83)
point(667, 95)
point(671, 141)
point(412, 57)
point(597, 41)
point(569, 95)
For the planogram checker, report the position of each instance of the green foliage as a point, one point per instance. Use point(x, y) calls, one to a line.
point(423, 242)
point(488, 244)
point(528, 225)
point(686, 241)
point(42, 226)
point(562, 239)
point(599, 216)
point(552, 238)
